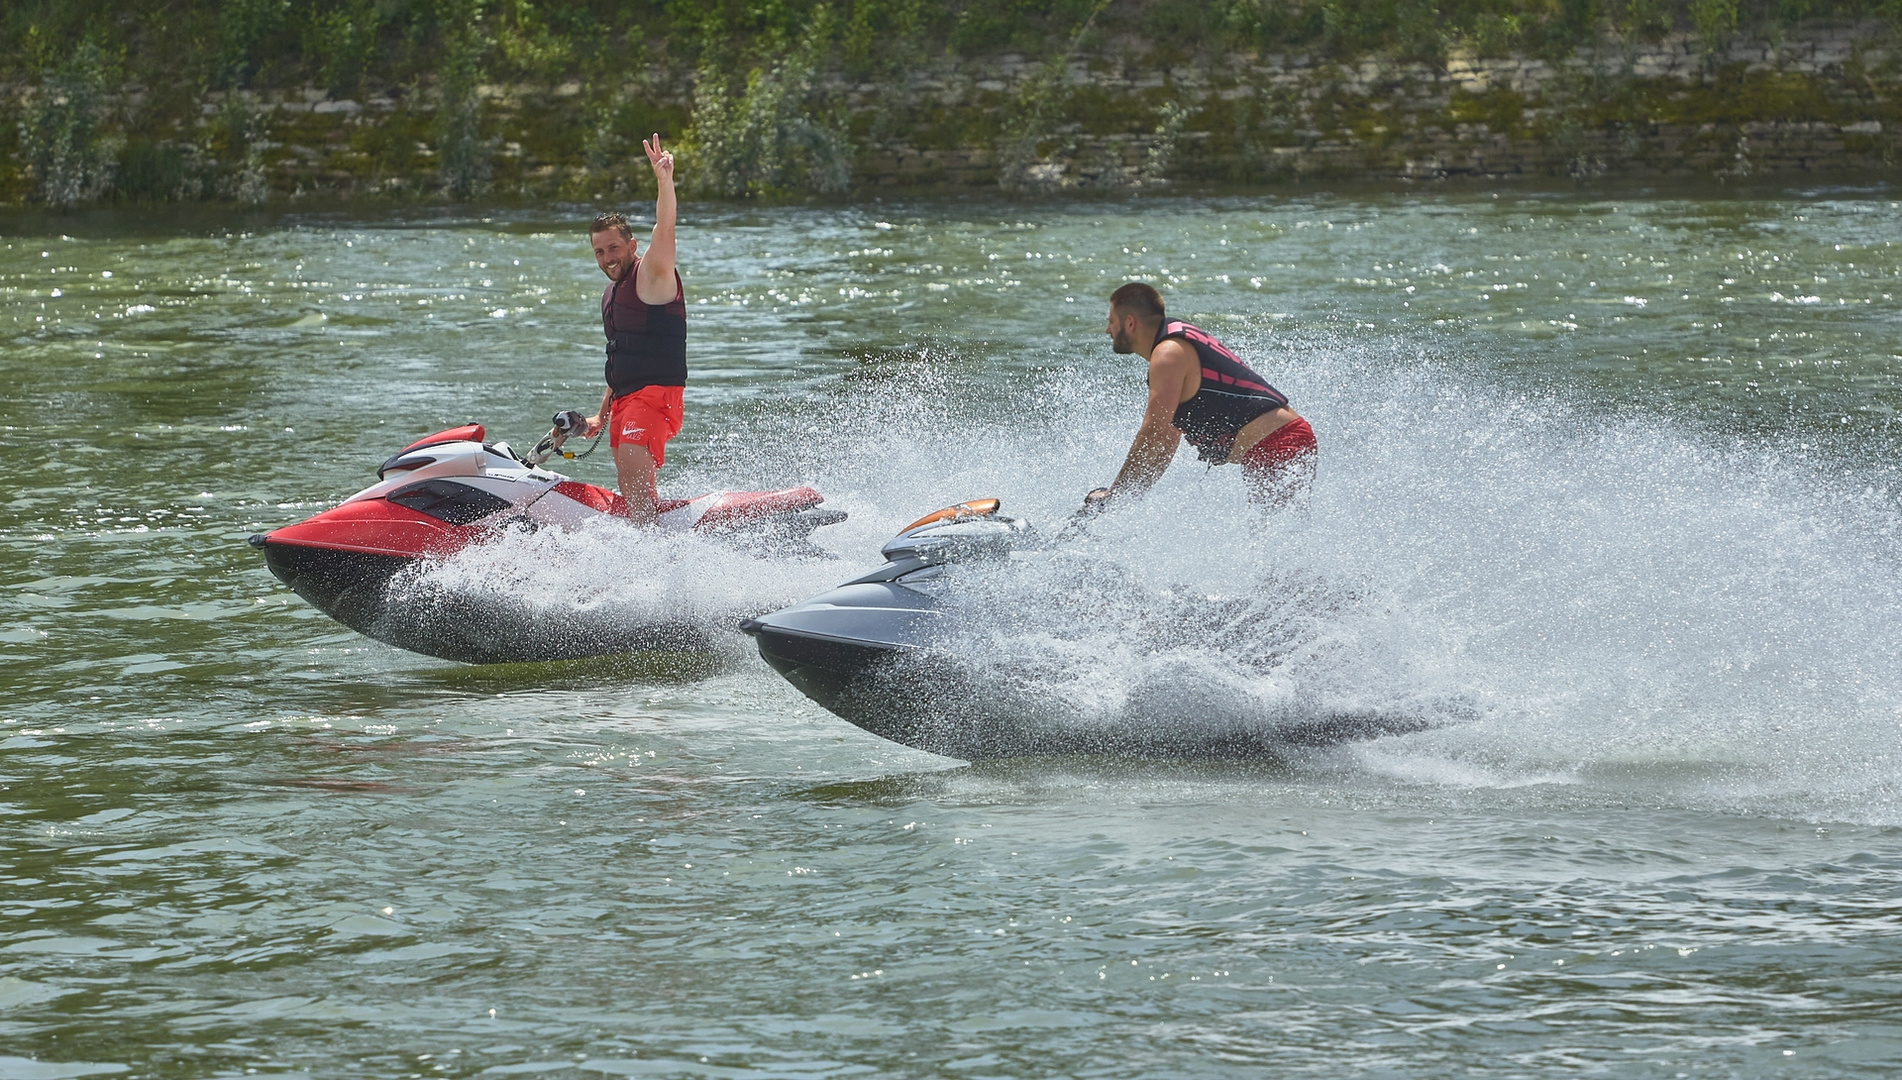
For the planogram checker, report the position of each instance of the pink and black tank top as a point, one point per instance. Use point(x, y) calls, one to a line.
point(1231, 394)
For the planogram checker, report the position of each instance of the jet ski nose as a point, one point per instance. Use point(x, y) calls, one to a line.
point(257, 540)
point(751, 627)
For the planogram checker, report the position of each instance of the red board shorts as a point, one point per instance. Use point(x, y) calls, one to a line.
point(1281, 467)
point(647, 417)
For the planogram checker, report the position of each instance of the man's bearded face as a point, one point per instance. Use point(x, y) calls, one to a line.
point(613, 253)
point(1120, 341)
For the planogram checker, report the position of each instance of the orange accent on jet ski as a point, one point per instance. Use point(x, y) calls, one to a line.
point(970, 508)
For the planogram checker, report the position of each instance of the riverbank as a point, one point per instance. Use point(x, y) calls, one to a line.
point(1113, 114)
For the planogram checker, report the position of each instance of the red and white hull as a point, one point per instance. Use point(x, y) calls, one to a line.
point(450, 492)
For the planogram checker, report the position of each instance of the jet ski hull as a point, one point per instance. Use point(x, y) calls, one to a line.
point(364, 561)
point(932, 701)
point(828, 672)
point(912, 697)
point(881, 653)
point(355, 588)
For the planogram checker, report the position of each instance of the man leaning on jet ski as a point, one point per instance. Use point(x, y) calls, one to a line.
point(1202, 392)
point(644, 314)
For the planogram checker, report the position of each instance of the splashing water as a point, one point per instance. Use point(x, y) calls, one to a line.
point(1554, 593)
point(607, 581)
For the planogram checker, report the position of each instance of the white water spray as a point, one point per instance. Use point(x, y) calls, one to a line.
point(1556, 595)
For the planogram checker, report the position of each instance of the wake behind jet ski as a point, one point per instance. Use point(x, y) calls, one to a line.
point(894, 652)
point(451, 492)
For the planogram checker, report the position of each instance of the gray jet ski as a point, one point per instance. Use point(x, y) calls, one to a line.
point(884, 651)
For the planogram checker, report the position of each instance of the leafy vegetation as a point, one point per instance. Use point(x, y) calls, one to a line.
point(752, 76)
point(341, 44)
point(774, 131)
point(61, 134)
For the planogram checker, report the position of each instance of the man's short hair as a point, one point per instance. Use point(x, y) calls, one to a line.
point(612, 220)
point(1139, 300)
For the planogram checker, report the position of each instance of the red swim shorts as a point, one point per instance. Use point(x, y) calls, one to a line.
point(647, 417)
point(1281, 466)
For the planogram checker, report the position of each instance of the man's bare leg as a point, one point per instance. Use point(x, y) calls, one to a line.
point(634, 465)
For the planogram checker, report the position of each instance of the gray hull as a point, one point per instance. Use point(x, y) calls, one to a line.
point(882, 654)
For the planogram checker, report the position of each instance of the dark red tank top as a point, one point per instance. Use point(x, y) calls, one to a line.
point(1230, 396)
point(647, 343)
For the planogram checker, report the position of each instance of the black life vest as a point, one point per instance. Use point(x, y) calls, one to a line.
point(1230, 396)
point(647, 343)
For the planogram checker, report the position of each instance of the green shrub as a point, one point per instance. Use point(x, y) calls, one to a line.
point(1715, 21)
point(240, 134)
point(246, 25)
point(62, 135)
point(775, 133)
point(460, 152)
point(150, 171)
point(1644, 20)
point(344, 39)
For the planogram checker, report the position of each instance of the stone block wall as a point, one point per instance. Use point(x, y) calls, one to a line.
point(1827, 100)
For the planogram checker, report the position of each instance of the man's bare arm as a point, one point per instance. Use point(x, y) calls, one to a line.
point(654, 284)
point(1155, 443)
point(594, 423)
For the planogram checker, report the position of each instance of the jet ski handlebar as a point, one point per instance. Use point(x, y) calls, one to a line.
point(968, 531)
point(568, 423)
point(1093, 504)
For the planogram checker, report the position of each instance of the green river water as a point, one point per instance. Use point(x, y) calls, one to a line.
point(1608, 498)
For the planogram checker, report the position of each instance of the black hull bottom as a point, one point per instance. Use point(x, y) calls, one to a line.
point(931, 702)
point(353, 588)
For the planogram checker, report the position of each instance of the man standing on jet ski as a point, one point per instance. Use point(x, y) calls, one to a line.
point(644, 314)
point(1200, 391)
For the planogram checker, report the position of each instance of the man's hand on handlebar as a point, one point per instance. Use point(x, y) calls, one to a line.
point(1079, 524)
point(590, 426)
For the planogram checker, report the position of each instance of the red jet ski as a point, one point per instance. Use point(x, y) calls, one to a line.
point(452, 491)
